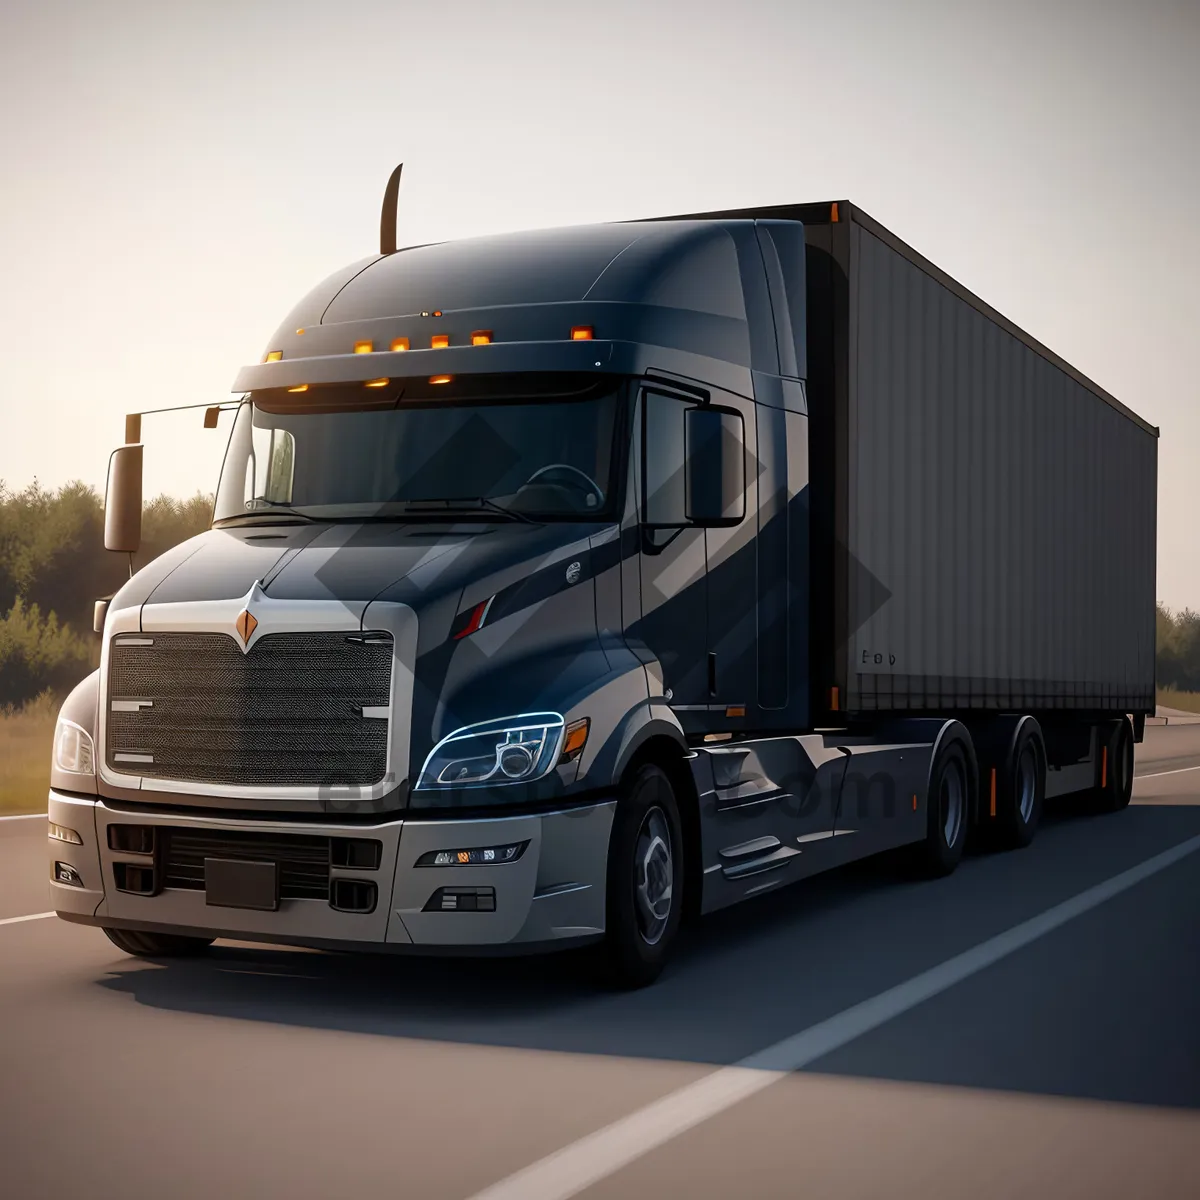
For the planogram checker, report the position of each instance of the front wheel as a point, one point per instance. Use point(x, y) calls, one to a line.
point(645, 880)
point(157, 945)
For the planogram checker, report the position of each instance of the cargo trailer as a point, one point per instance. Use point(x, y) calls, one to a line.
point(564, 584)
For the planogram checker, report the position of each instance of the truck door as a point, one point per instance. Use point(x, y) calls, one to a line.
point(673, 624)
point(733, 591)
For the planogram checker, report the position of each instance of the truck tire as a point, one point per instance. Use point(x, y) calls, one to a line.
point(157, 945)
point(948, 811)
point(645, 880)
point(1116, 767)
point(1020, 791)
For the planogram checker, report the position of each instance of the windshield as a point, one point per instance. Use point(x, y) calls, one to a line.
point(523, 457)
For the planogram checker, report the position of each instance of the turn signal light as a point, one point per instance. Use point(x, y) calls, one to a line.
point(574, 740)
point(273, 356)
point(582, 333)
point(472, 858)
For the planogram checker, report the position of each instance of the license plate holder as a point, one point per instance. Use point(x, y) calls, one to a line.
point(240, 883)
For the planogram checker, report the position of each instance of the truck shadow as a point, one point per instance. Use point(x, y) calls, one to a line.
point(1040, 1021)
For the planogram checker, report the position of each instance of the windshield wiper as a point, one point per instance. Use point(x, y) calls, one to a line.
point(270, 510)
point(466, 504)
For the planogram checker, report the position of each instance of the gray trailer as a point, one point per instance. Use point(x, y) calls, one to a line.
point(561, 584)
point(985, 514)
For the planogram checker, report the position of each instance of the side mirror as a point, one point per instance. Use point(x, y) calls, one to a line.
point(715, 480)
point(123, 500)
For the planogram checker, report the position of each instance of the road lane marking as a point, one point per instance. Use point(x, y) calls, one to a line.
point(31, 917)
point(568, 1171)
point(1156, 774)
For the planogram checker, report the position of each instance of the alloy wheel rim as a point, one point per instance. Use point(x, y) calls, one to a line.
point(654, 876)
point(1026, 783)
point(952, 803)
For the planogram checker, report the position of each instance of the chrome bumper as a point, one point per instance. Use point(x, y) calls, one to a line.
point(555, 892)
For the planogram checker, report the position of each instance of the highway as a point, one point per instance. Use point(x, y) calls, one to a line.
point(1029, 1026)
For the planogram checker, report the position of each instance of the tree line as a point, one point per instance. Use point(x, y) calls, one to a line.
point(53, 565)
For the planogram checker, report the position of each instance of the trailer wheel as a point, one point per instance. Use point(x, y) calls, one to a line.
point(1116, 768)
point(645, 880)
point(948, 811)
point(1021, 791)
point(157, 945)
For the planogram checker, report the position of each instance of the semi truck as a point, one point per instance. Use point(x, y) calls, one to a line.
point(563, 585)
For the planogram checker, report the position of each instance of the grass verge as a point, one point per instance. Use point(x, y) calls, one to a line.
point(26, 734)
point(1184, 701)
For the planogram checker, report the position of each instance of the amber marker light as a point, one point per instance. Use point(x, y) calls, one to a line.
point(439, 341)
point(299, 331)
point(376, 383)
point(273, 356)
point(582, 333)
point(574, 740)
point(302, 388)
point(364, 347)
point(440, 378)
point(481, 337)
point(399, 344)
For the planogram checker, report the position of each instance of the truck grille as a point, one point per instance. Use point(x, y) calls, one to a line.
point(303, 860)
point(289, 712)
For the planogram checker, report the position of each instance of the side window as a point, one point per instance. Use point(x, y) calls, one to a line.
point(664, 444)
point(270, 469)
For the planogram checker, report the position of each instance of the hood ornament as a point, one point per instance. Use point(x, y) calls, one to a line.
point(247, 622)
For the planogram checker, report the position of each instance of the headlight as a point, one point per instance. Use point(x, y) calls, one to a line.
point(73, 748)
point(511, 750)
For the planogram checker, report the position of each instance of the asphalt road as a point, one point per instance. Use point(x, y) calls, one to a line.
point(1066, 1066)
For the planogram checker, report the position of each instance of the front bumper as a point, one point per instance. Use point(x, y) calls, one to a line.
point(554, 894)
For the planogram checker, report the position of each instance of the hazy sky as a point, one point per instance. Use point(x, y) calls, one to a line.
point(175, 176)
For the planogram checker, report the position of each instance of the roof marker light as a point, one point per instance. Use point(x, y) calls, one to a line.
point(377, 383)
point(302, 388)
point(273, 356)
point(440, 378)
point(365, 347)
point(439, 341)
point(582, 333)
point(481, 337)
point(399, 344)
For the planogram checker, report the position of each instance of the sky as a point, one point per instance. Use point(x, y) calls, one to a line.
point(175, 176)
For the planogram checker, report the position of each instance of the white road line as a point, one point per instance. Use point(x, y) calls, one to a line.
point(568, 1171)
point(1156, 774)
point(31, 917)
point(27, 817)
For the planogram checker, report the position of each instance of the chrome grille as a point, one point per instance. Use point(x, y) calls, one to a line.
point(287, 713)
